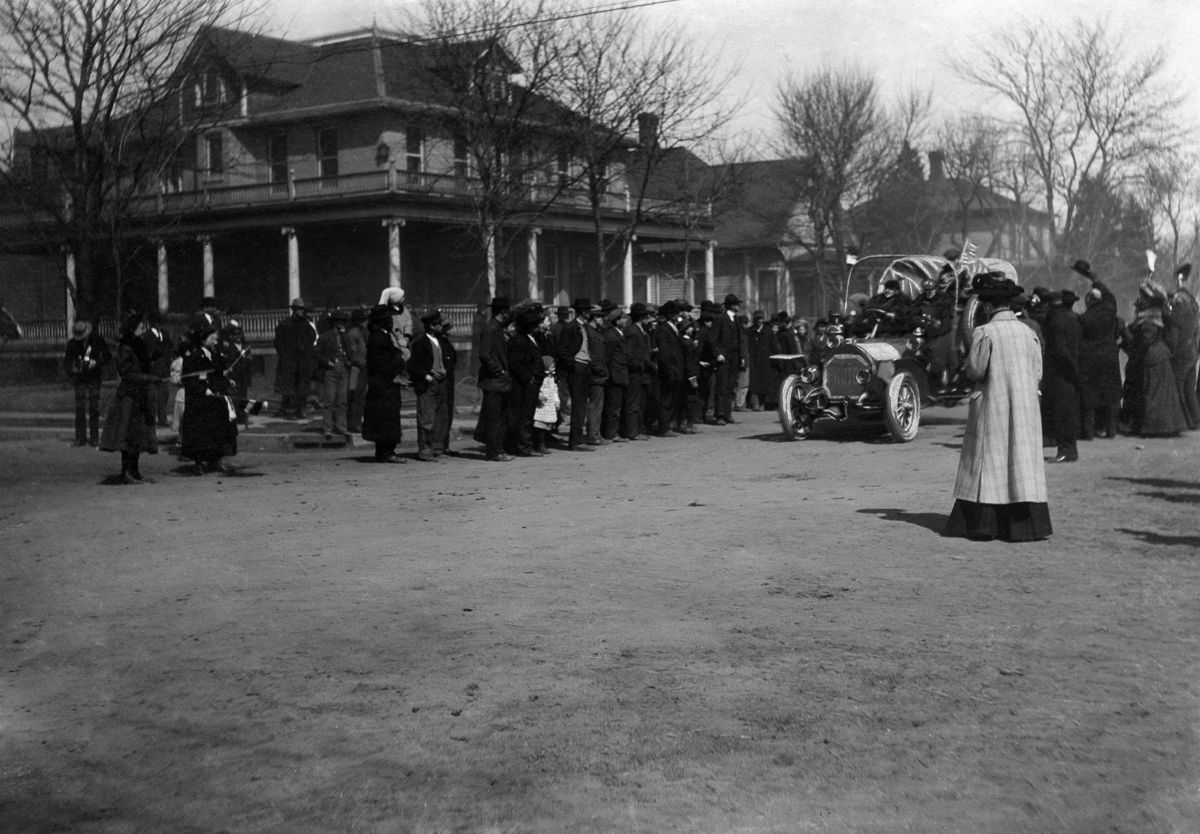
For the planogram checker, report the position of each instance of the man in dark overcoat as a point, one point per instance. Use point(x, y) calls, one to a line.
point(296, 351)
point(728, 342)
point(637, 361)
point(758, 340)
point(668, 345)
point(1060, 378)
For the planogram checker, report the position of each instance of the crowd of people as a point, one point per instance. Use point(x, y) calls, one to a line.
point(586, 375)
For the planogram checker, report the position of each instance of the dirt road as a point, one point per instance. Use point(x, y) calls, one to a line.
point(723, 633)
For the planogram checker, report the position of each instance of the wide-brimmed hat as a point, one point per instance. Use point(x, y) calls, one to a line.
point(81, 330)
point(669, 309)
point(381, 316)
point(298, 304)
point(1068, 298)
point(638, 310)
point(530, 317)
point(339, 315)
point(1083, 268)
point(606, 306)
point(201, 325)
point(995, 287)
point(732, 300)
point(499, 303)
point(582, 305)
point(782, 317)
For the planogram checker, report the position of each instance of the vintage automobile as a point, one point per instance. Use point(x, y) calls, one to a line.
point(861, 373)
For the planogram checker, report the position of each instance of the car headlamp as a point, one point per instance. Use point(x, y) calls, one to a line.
point(862, 376)
point(809, 374)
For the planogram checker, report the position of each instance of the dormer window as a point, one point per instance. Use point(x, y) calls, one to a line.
point(210, 88)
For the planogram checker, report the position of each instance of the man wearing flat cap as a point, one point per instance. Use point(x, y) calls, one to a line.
point(296, 352)
point(1182, 335)
point(428, 370)
point(728, 341)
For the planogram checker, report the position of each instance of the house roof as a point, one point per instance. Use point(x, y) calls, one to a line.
point(763, 204)
point(386, 69)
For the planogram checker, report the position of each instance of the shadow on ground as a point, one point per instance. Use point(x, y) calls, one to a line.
point(934, 522)
point(1151, 537)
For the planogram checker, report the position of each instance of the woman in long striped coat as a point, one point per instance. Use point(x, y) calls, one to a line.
point(1000, 491)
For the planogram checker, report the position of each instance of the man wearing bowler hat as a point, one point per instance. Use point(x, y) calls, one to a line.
point(727, 344)
point(296, 350)
point(427, 370)
point(574, 358)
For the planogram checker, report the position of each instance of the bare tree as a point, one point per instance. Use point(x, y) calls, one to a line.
point(641, 95)
point(498, 59)
point(1169, 189)
point(833, 119)
point(1086, 109)
point(91, 88)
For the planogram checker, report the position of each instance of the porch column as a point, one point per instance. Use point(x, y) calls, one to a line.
point(491, 265)
point(164, 293)
point(394, 225)
point(534, 284)
point(210, 286)
point(710, 284)
point(627, 274)
point(71, 311)
point(293, 245)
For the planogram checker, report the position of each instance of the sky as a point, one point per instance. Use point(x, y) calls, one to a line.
point(907, 42)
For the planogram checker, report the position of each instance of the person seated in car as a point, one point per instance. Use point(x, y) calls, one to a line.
point(933, 312)
point(889, 309)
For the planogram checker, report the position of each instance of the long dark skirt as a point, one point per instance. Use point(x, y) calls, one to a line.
point(1024, 521)
point(207, 432)
point(129, 426)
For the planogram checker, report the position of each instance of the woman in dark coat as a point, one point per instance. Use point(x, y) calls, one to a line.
point(1162, 406)
point(129, 427)
point(209, 428)
point(381, 407)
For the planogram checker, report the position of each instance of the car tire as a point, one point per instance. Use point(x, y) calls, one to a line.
point(792, 417)
point(902, 407)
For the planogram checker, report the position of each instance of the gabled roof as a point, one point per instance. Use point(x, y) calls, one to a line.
point(763, 206)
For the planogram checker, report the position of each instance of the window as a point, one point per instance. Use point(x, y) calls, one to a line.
point(462, 159)
point(414, 139)
point(549, 260)
point(210, 88)
point(277, 158)
point(214, 154)
point(563, 168)
point(327, 153)
point(172, 175)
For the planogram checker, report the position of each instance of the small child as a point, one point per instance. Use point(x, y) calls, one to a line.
point(546, 417)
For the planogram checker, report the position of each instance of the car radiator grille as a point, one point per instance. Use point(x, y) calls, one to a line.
point(840, 372)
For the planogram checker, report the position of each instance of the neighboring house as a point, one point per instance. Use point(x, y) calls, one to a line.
point(336, 167)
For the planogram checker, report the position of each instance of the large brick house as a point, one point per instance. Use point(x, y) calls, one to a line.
point(334, 168)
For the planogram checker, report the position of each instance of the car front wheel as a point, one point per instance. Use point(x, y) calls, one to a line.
point(902, 411)
point(792, 416)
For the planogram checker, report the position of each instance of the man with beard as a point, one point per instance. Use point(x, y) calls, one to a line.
point(1060, 382)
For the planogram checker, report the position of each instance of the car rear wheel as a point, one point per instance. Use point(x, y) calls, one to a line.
point(902, 408)
point(792, 416)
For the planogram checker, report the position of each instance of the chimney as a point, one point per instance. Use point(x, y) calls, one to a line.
point(937, 166)
point(648, 130)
